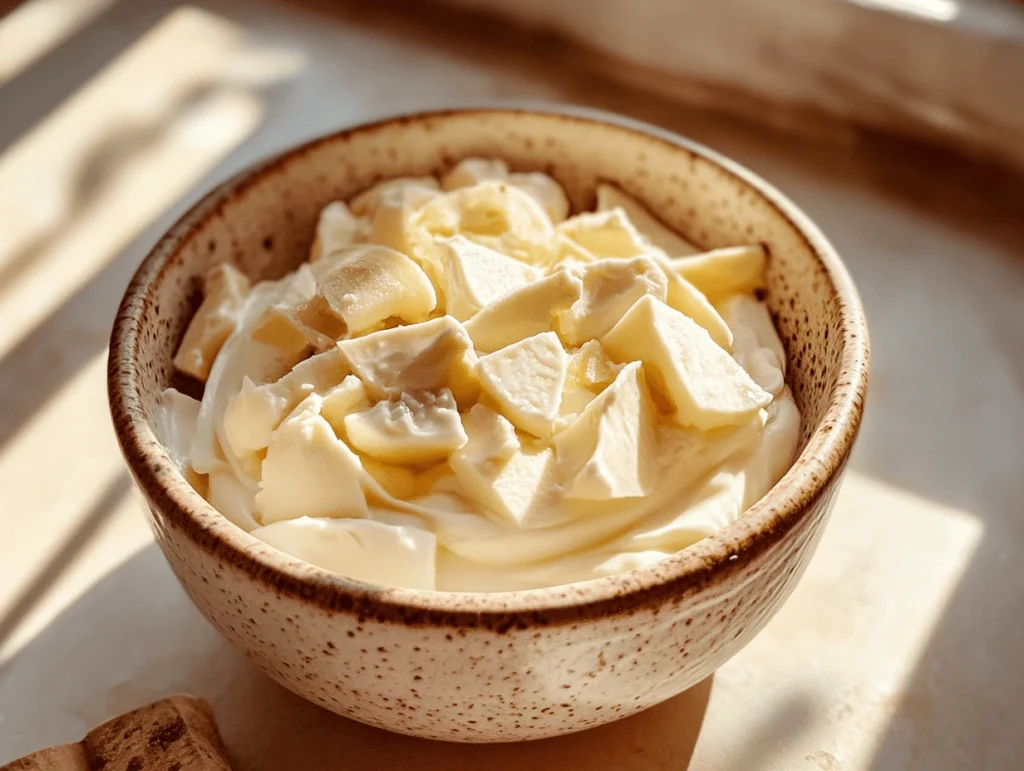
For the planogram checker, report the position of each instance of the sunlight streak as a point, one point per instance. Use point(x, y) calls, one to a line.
point(35, 28)
point(105, 164)
point(872, 597)
point(57, 496)
point(933, 10)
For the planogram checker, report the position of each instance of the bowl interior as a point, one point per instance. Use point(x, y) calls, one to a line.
point(263, 222)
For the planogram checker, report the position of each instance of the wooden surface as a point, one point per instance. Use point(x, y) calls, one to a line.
point(176, 733)
point(899, 650)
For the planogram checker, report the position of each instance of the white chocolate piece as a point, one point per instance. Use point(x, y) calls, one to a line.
point(610, 287)
point(337, 228)
point(525, 312)
point(224, 293)
point(368, 284)
point(476, 276)
point(526, 380)
point(495, 214)
point(706, 386)
point(610, 197)
point(308, 471)
point(606, 234)
point(415, 357)
point(610, 450)
point(496, 471)
point(723, 272)
point(415, 428)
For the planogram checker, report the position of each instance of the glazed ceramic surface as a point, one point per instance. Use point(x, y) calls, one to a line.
point(518, 665)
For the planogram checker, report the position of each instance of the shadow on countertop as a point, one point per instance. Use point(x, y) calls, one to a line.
point(135, 637)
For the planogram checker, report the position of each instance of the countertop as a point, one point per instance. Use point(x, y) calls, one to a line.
point(901, 647)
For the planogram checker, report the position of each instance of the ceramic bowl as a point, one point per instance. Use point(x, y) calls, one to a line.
point(516, 665)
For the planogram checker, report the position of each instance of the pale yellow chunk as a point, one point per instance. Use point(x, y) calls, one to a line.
point(591, 367)
point(368, 284)
point(224, 293)
point(295, 329)
point(610, 287)
point(473, 171)
point(722, 272)
point(256, 410)
point(308, 471)
point(570, 253)
point(337, 228)
point(575, 399)
point(414, 357)
point(495, 214)
point(417, 427)
point(525, 312)
point(476, 276)
point(706, 386)
point(610, 197)
point(610, 450)
point(526, 380)
point(405, 484)
point(510, 480)
point(463, 380)
point(369, 201)
point(606, 234)
point(343, 399)
point(391, 220)
point(362, 549)
point(688, 299)
point(546, 191)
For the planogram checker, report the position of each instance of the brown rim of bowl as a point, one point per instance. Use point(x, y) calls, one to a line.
point(685, 572)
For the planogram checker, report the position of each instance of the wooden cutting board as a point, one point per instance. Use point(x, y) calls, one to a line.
point(173, 734)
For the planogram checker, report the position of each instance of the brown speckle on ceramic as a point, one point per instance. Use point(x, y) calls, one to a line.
point(500, 666)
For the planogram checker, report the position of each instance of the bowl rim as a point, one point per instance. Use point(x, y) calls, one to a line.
point(682, 574)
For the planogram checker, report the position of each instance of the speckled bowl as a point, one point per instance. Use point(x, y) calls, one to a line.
point(518, 665)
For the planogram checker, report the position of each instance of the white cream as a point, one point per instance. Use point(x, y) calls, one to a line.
point(595, 412)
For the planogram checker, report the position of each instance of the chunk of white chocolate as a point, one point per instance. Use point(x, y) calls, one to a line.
point(590, 367)
point(610, 287)
point(414, 428)
point(704, 383)
point(495, 214)
point(476, 276)
point(609, 451)
point(308, 471)
point(368, 284)
point(367, 203)
point(526, 380)
point(342, 400)
point(224, 293)
point(495, 470)
point(605, 234)
point(687, 299)
point(525, 312)
point(416, 357)
point(472, 171)
point(723, 272)
point(545, 190)
point(256, 410)
point(610, 197)
point(337, 228)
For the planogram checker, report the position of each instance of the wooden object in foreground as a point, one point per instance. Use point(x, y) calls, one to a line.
point(173, 734)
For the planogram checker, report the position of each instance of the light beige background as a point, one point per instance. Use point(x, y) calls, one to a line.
point(899, 650)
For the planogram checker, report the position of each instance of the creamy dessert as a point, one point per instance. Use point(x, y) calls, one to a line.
point(467, 389)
